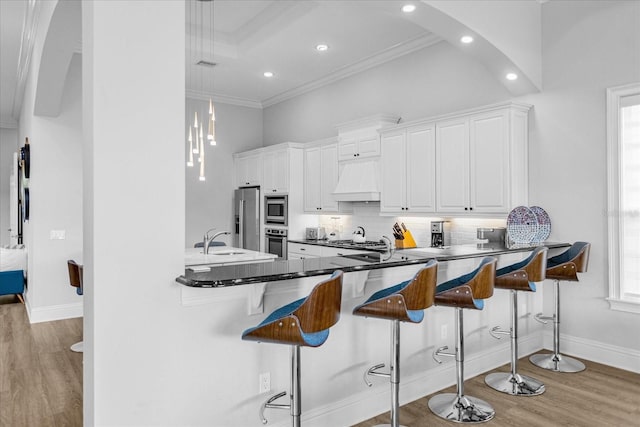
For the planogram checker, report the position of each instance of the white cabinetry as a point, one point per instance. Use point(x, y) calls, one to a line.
point(248, 169)
point(408, 170)
point(473, 164)
point(358, 145)
point(276, 171)
point(320, 178)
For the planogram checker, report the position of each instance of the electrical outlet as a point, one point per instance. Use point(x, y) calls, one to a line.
point(57, 234)
point(443, 332)
point(264, 382)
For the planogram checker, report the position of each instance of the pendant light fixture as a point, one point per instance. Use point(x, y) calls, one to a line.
point(206, 120)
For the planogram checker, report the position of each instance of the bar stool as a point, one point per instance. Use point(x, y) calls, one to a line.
point(304, 322)
point(404, 302)
point(75, 280)
point(467, 291)
point(520, 276)
point(562, 267)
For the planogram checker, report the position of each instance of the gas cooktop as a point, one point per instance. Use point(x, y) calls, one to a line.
point(350, 244)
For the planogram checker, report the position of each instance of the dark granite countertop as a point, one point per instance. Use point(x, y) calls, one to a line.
point(243, 274)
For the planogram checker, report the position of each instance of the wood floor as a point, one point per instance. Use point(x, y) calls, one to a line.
point(40, 378)
point(41, 385)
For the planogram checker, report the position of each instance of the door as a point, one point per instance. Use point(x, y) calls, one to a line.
point(248, 218)
point(452, 166)
point(393, 173)
point(489, 162)
point(312, 176)
point(421, 169)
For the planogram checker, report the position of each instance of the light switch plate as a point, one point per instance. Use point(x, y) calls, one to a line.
point(58, 235)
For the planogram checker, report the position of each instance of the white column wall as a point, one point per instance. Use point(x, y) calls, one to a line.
point(136, 372)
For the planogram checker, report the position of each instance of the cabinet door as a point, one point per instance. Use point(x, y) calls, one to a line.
point(368, 146)
point(276, 172)
point(348, 148)
point(421, 169)
point(329, 177)
point(489, 162)
point(452, 166)
point(312, 178)
point(249, 170)
point(393, 173)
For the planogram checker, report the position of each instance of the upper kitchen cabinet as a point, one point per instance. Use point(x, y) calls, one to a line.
point(248, 167)
point(320, 177)
point(481, 160)
point(276, 171)
point(408, 170)
point(359, 139)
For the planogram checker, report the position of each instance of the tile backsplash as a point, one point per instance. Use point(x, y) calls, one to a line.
point(458, 231)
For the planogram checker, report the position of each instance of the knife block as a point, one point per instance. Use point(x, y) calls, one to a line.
point(407, 243)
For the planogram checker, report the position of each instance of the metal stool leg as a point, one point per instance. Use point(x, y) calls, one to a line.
point(514, 383)
point(393, 375)
point(555, 361)
point(295, 392)
point(458, 407)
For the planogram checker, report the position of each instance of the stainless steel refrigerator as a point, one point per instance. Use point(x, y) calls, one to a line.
point(247, 215)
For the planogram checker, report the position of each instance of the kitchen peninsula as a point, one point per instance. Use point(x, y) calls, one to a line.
point(247, 273)
point(195, 259)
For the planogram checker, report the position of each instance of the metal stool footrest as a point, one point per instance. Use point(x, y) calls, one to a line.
point(268, 404)
point(497, 330)
point(372, 371)
point(440, 351)
point(542, 319)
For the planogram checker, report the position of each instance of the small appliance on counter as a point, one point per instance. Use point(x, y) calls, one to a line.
point(493, 235)
point(315, 233)
point(437, 234)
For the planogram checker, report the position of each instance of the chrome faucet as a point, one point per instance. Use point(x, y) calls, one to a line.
point(207, 240)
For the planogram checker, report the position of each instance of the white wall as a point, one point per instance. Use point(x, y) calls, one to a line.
point(8, 146)
point(55, 188)
point(587, 47)
point(438, 79)
point(209, 203)
point(583, 53)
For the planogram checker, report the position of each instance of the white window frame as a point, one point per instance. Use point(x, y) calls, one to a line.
point(617, 301)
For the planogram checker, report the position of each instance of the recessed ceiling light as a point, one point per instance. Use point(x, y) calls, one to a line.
point(511, 76)
point(408, 8)
point(268, 74)
point(322, 47)
point(466, 39)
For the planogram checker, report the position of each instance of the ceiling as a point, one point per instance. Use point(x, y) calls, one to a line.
point(280, 36)
point(254, 36)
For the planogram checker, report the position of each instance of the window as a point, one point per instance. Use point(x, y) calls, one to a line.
point(623, 152)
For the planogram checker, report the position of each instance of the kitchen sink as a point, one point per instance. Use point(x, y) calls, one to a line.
point(227, 253)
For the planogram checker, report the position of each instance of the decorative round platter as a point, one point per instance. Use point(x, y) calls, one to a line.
point(522, 225)
point(544, 223)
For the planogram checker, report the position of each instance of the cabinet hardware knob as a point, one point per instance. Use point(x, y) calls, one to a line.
point(466, 209)
point(470, 209)
point(406, 208)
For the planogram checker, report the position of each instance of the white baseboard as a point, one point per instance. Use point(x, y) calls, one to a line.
point(53, 312)
point(606, 354)
point(376, 400)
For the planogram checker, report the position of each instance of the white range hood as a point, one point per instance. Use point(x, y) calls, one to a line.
point(358, 182)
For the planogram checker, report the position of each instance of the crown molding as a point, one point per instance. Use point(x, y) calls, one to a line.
point(380, 58)
point(223, 99)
